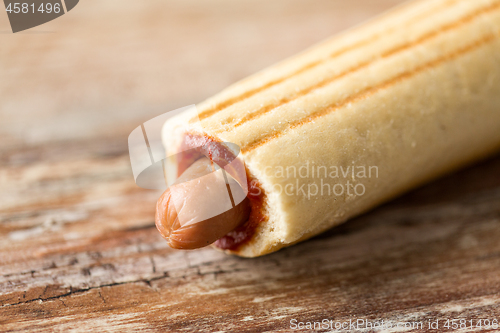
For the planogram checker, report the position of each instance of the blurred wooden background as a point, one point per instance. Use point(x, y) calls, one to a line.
point(78, 246)
point(110, 65)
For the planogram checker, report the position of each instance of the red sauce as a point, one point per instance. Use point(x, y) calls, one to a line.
point(244, 233)
point(196, 146)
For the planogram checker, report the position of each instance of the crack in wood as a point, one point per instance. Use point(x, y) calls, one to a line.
point(100, 295)
point(153, 266)
point(83, 290)
point(20, 273)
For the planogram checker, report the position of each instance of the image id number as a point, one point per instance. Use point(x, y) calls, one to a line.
point(30, 8)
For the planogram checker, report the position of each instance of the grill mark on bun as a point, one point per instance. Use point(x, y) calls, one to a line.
point(372, 90)
point(399, 49)
point(233, 100)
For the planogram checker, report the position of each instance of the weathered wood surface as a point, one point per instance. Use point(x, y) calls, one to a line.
point(78, 246)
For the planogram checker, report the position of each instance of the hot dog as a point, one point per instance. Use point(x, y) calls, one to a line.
point(414, 94)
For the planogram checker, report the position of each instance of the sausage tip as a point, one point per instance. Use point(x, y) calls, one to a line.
point(199, 233)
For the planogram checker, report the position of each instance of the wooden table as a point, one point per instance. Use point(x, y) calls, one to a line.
point(78, 246)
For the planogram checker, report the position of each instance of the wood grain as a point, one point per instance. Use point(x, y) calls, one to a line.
point(78, 246)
